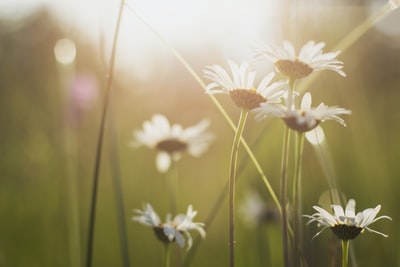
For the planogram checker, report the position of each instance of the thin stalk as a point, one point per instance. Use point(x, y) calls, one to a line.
point(297, 195)
point(167, 259)
point(345, 253)
point(353, 36)
point(213, 213)
point(232, 177)
point(92, 214)
point(283, 199)
point(217, 104)
point(172, 180)
point(118, 192)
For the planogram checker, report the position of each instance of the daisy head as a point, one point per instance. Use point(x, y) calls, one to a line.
point(171, 141)
point(346, 224)
point(304, 119)
point(240, 85)
point(255, 211)
point(310, 59)
point(176, 229)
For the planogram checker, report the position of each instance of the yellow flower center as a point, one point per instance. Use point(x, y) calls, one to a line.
point(304, 126)
point(247, 99)
point(293, 69)
point(171, 145)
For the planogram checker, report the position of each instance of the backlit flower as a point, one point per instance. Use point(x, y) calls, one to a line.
point(172, 140)
point(173, 229)
point(305, 118)
point(255, 211)
point(240, 87)
point(346, 224)
point(308, 60)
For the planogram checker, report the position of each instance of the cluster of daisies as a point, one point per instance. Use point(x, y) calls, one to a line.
point(267, 99)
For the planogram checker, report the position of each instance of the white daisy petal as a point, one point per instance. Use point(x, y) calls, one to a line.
point(171, 141)
point(311, 57)
point(346, 217)
point(240, 85)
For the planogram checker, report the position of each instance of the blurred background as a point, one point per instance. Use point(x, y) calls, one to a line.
point(54, 62)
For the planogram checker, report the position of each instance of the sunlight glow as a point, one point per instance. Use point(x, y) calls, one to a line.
point(65, 51)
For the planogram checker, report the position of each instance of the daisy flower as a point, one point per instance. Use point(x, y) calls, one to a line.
point(309, 59)
point(173, 229)
point(172, 140)
point(240, 87)
point(346, 224)
point(254, 211)
point(305, 118)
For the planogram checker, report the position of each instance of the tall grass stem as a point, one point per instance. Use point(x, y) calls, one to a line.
point(218, 105)
point(118, 192)
point(92, 212)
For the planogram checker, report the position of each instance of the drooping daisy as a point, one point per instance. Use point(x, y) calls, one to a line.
point(240, 87)
point(308, 60)
point(172, 140)
point(172, 230)
point(255, 211)
point(305, 118)
point(346, 224)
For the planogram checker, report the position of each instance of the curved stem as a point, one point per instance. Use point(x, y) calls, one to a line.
point(353, 36)
point(232, 176)
point(297, 206)
point(92, 215)
point(283, 192)
point(217, 104)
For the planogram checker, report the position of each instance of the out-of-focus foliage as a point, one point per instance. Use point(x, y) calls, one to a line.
point(48, 145)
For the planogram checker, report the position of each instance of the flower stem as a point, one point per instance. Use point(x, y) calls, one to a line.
point(180, 58)
point(167, 259)
point(232, 176)
point(283, 199)
point(345, 252)
point(92, 215)
point(172, 180)
point(297, 206)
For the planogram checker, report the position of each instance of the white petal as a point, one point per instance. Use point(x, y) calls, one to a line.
point(350, 209)
point(306, 102)
point(163, 161)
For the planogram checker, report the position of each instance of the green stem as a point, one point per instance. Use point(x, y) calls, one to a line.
point(167, 259)
point(92, 215)
point(217, 104)
point(290, 98)
point(232, 176)
point(353, 36)
point(345, 252)
point(283, 192)
point(118, 191)
point(297, 194)
point(172, 180)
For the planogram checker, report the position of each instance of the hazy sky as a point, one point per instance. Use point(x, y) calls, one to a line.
point(231, 26)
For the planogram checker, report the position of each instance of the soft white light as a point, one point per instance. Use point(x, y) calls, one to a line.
point(316, 136)
point(65, 51)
